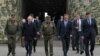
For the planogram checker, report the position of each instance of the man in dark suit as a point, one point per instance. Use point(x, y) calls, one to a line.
point(90, 31)
point(73, 37)
point(59, 21)
point(29, 32)
point(78, 33)
point(64, 32)
point(38, 26)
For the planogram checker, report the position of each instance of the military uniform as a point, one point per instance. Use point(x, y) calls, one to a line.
point(11, 30)
point(48, 30)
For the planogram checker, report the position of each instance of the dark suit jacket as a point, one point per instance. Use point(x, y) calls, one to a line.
point(64, 32)
point(38, 25)
point(58, 24)
point(90, 29)
point(74, 25)
point(29, 31)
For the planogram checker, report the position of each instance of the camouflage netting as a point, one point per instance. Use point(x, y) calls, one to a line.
point(7, 7)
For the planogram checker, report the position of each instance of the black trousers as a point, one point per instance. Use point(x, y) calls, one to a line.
point(34, 44)
point(28, 46)
point(65, 45)
point(73, 43)
point(79, 42)
point(89, 40)
point(77, 38)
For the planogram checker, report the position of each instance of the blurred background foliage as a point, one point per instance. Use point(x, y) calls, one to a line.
point(83, 6)
point(7, 7)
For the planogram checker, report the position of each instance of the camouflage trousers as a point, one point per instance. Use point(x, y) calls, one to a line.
point(48, 44)
point(11, 44)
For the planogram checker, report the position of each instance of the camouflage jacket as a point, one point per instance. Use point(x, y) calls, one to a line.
point(48, 29)
point(12, 27)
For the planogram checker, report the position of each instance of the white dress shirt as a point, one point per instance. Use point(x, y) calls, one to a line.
point(65, 23)
point(79, 24)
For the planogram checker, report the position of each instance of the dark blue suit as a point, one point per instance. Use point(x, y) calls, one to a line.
point(90, 32)
point(58, 24)
point(65, 32)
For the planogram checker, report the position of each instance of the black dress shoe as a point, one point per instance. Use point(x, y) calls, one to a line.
point(8, 54)
point(29, 54)
point(73, 49)
point(34, 50)
point(26, 54)
point(81, 52)
point(13, 54)
point(77, 52)
point(92, 54)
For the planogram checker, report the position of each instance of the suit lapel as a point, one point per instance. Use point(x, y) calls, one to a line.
point(87, 22)
point(81, 24)
point(63, 24)
point(91, 22)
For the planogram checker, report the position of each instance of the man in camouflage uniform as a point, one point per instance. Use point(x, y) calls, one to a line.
point(11, 30)
point(48, 31)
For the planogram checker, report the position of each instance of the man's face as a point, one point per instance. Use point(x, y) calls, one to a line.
point(77, 16)
point(89, 15)
point(66, 17)
point(61, 17)
point(12, 17)
point(29, 18)
point(48, 20)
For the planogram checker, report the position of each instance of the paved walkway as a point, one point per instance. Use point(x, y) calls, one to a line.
point(40, 51)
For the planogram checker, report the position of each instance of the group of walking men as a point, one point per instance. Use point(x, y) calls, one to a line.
point(82, 32)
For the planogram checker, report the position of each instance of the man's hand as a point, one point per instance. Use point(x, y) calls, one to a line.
point(71, 36)
point(42, 36)
point(22, 41)
point(82, 37)
point(58, 37)
point(76, 27)
point(35, 38)
point(38, 33)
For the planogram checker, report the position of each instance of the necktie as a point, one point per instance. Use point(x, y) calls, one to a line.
point(89, 21)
